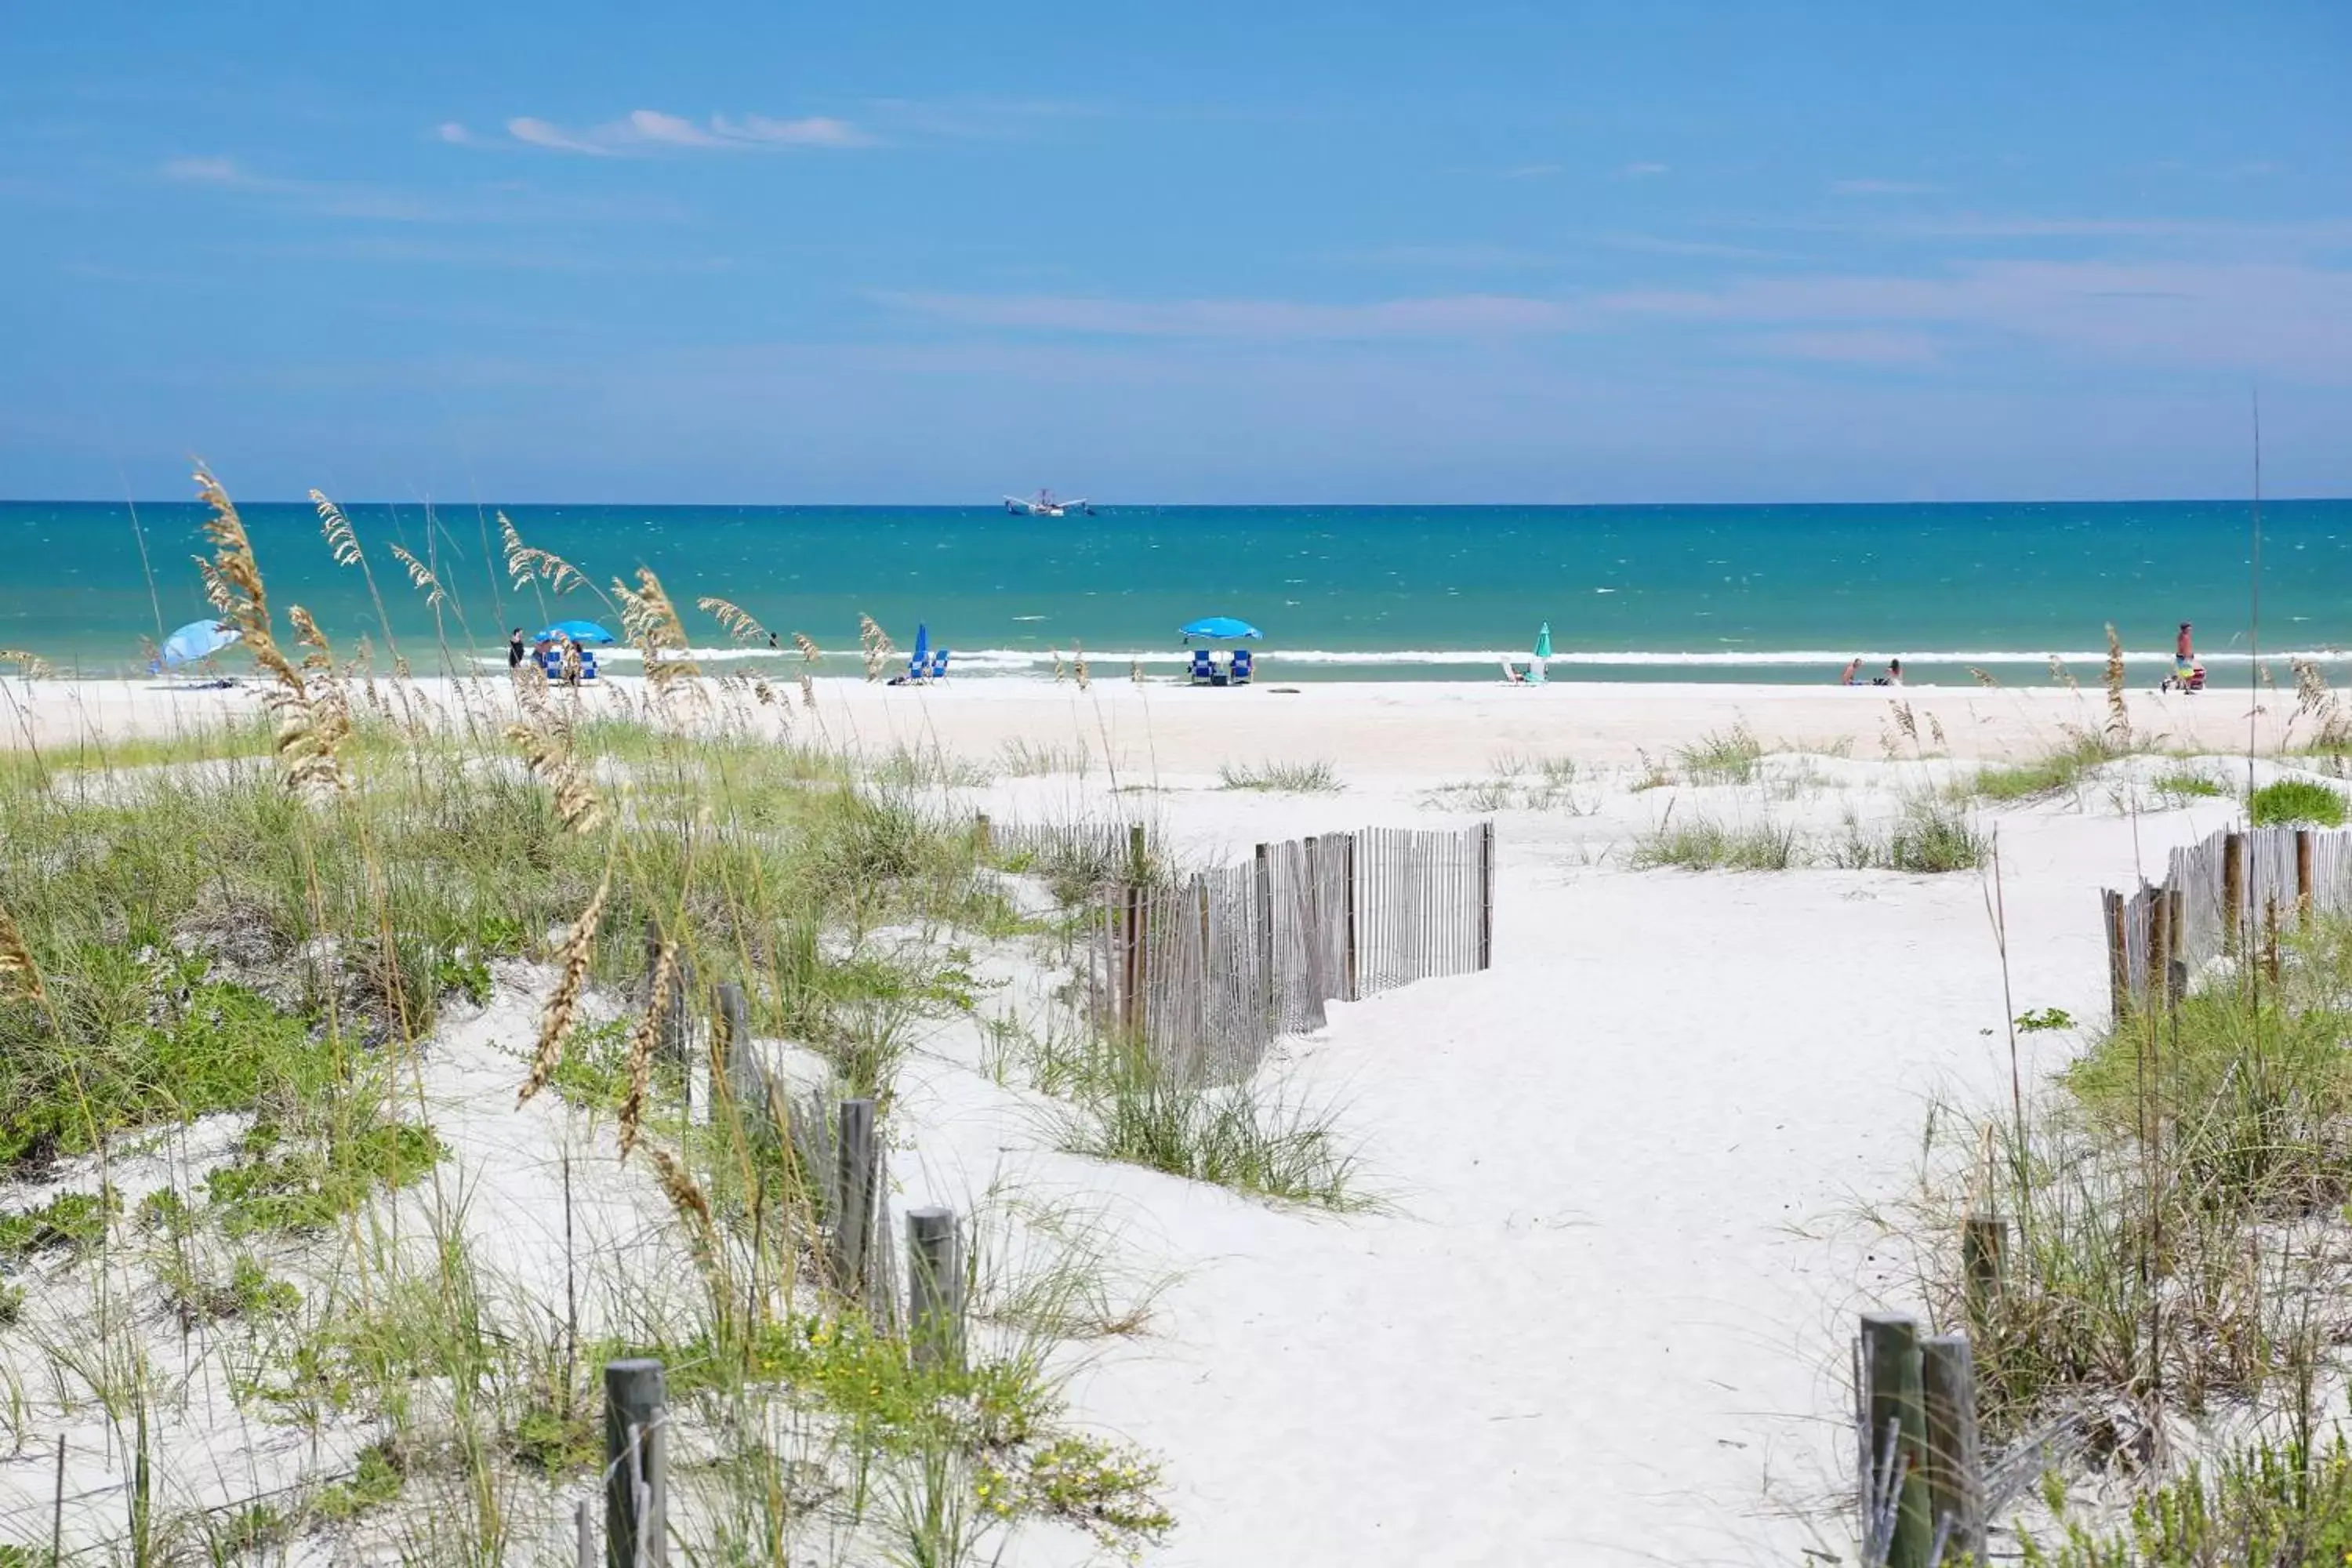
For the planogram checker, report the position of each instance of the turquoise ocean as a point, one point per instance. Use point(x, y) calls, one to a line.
point(1650, 593)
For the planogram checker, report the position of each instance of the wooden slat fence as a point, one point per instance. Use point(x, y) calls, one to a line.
point(2232, 893)
point(1209, 969)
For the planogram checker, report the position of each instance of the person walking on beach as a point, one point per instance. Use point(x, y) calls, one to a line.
point(2184, 655)
point(514, 648)
point(571, 666)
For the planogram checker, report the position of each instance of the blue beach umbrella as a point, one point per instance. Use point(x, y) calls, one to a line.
point(196, 640)
point(1218, 627)
point(578, 631)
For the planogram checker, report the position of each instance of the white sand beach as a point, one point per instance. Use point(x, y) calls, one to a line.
point(1601, 1316)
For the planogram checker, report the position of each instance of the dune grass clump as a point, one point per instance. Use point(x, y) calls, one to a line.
point(1317, 777)
point(2182, 786)
point(2054, 772)
point(1721, 757)
point(2296, 803)
point(1931, 837)
point(2281, 1503)
point(1705, 844)
point(2175, 1213)
point(1132, 1105)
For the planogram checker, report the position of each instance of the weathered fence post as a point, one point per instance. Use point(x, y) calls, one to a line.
point(730, 1019)
point(585, 1527)
point(1956, 1502)
point(980, 834)
point(2234, 892)
point(1319, 979)
point(2303, 888)
point(853, 1223)
point(1984, 1262)
point(1486, 894)
point(1349, 915)
point(1897, 1415)
point(1139, 860)
point(675, 1027)
point(636, 1466)
point(1266, 919)
point(2118, 958)
point(1131, 960)
point(2159, 943)
point(2270, 936)
point(934, 1288)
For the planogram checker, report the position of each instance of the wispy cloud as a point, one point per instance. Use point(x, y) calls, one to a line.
point(1660, 244)
point(1534, 172)
point(1456, 315)
point(1644, 170)
point(648, 131)
point(207, 172)
point(1882, 188)
point(1856, 347)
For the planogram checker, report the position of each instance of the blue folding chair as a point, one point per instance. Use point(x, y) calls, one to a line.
point(1205, 673)
point(1244, 667)
point(938, 671)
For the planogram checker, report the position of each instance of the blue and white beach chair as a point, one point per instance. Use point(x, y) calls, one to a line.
point(1204, 671)
point(938, 671)
point(1242, 666)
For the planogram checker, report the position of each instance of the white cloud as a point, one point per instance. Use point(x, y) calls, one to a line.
point(206, 171)
point(1534, 172)
point(649, 130)
point(814, 130)
point(1456, 315)
point(539, 133)
point(1644, 170)
point(455, 134)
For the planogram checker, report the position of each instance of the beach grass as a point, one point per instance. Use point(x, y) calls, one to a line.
point(2297, 802)
point(1317, 777)
point(1696, 843)
point(252, 979)
point(1721, 757)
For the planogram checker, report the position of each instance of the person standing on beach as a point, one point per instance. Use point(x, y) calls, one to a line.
point(514, 648)
point(2184, 655)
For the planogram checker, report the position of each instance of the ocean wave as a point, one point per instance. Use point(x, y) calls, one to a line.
point(1009, 659)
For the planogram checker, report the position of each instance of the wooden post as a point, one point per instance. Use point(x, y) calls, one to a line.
point(1139, 859)
point(730, 1021)
point(2270, 937)
point(584, 1526)
point(983, 835)
point(1955, 1474)
point(2234, 892)
point(853, 1220)
point(1486, 894)
point(1318, 980)
point(1131, 961)
point(2120, 995)
point(2303, 888)
point(675, 1027)
point(636, 1466)
point(1891, 1353)
point(1348, 914)
point(1984, 1263)
point(2159, 943)
point(934, 1288)
point(1266, 919)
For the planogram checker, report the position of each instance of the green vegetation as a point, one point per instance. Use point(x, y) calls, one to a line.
point(1931, 837)
point(1281, 778)
point(2281, 1505)
point(2182, 786)
point(1129, 1104)
point(1721, 757)
point(1519, 783)
point(2055, 771)
point(71, 1220)
point(2296, 803)
point(2151, 1198)
point(1704, 844)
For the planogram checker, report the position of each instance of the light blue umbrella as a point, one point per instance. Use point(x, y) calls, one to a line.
point(1218, 627)
point(196, 640)
point(578, 631)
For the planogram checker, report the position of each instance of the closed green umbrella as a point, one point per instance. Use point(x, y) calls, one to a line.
point(1543, 652)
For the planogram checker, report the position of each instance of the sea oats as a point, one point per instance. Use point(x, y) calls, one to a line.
point(641, 1046)
point(563, 1002)
point(421, 576)
point(32, 664)
point(2118, 716)
point(341, 542)
point(19, 975)
point(807, 645)
point(550, 759)
point(734, 620)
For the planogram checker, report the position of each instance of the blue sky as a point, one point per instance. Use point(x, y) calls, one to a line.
point(1207, 252)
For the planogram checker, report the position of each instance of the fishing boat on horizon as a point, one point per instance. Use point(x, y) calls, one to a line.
point(1043, 504)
